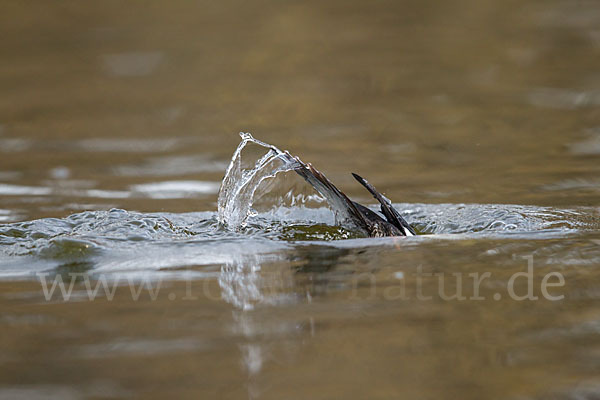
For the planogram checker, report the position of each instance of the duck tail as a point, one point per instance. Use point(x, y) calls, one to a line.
point(342, 206)
point(390, 213)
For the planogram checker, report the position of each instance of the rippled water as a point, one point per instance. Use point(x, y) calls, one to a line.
point(300, 291)
point(122, 277)
point(293, 291)
point(118, 241)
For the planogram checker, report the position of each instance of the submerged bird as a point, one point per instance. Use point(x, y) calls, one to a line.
point(347, 212)
point(352, 212)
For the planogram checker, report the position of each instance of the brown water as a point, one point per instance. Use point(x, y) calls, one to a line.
point(480, 119)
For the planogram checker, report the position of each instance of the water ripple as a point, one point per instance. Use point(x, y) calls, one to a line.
point(119, 240)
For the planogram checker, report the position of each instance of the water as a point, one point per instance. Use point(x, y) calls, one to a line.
point(143, 245)
point(292, 290)
point(118, 241)
point(478, 119)
point(297, 285)
point(239, 185)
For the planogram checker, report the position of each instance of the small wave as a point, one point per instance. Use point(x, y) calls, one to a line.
point(118, 240)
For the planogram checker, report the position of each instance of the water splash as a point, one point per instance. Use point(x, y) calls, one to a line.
point(240, 184)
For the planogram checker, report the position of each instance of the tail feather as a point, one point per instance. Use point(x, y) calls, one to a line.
point(387, 209)
point(340, 203)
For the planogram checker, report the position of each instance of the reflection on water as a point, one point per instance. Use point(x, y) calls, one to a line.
point(158, 190)
point(178, 165)
point(350, 316)
point(117, 122)
point(563, 99)
point(8, 216)
point(18, 190)
point(589, 146)
point(132, 64)
point(272, 313)
point(13, 144)
point(127, 145)
point(244, 285)
point(176, 189)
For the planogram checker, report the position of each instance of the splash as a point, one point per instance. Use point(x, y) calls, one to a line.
point(240, 184)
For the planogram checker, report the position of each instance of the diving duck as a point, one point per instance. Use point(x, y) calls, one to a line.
point(390, 223)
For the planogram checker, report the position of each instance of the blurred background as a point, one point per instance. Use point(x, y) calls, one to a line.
point(138, 105)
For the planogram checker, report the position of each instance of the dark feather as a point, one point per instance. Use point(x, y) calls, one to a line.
point(357, 214)
point(387, 209)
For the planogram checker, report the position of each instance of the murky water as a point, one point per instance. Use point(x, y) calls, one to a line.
point(120, 279)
